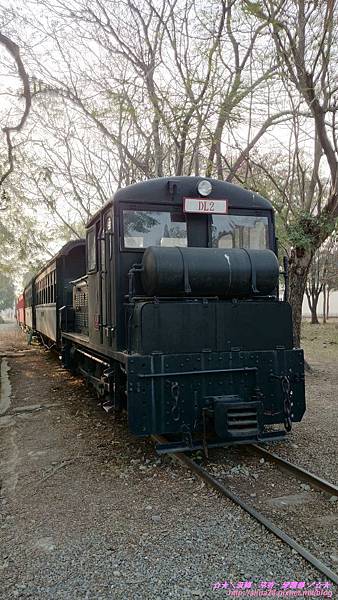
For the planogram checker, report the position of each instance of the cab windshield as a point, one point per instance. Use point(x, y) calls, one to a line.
point(240, 231)
point(143, 228)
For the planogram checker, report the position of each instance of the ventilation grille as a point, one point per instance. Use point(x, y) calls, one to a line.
point(81, 320)
point(81, 309)
point(242, 420)
point(80, 299)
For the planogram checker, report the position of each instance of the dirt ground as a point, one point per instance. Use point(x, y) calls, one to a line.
point(89, 512)
point(314, 442)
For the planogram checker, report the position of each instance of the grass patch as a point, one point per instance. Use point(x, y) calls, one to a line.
point(320, 342)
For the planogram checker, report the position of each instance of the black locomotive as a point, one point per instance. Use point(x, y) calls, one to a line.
point(178, 318)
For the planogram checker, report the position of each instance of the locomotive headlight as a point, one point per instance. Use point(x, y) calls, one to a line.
point(204, 187)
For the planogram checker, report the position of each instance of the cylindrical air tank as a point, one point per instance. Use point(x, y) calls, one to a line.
point(229, 273)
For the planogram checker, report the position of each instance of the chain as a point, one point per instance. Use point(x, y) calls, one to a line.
point(287, 399)
point(175, 394)
point(287, 393)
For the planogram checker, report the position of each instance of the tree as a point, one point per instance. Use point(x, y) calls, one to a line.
point(330, 279)
point(7, 295)
point(165, 86)
point(304, 35)
point(314, 287)
point(125, 91)
point(315, 281)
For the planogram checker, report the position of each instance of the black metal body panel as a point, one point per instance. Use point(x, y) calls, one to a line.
point(252, 376)
point(102, 282)
point(83, 341)
point(196, 325)
point(187, 187)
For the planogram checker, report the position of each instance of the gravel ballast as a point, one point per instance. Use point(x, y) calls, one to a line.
point(89, 512)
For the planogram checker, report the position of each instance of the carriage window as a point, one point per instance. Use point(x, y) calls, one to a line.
point(91, 250)
point(53, 286)
point(143, 228)
point(240, 231)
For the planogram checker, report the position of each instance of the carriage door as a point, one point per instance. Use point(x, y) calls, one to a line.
point(106, 245)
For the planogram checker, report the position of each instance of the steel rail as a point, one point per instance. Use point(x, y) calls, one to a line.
point(303, 474)
point(220, 487)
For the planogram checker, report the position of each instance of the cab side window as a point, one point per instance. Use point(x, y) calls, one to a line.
point(91, 250)
point(109, 230)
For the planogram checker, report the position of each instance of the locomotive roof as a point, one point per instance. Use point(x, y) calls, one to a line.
point(157, 190)
point(64, 251)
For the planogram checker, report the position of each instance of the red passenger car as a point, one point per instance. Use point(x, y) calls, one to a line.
point(20, 311)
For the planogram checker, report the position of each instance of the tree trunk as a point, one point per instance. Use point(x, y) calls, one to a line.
point(328, 303)
point(314, 318)
point(312, 300)
point(298, 271)
point(324, 304)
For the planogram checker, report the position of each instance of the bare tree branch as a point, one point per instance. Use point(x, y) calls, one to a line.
point(14, 51)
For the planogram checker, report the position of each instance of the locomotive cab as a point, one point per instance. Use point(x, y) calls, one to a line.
point(184, 315)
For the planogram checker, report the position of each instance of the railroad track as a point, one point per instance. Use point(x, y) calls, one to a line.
point(299, 472)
